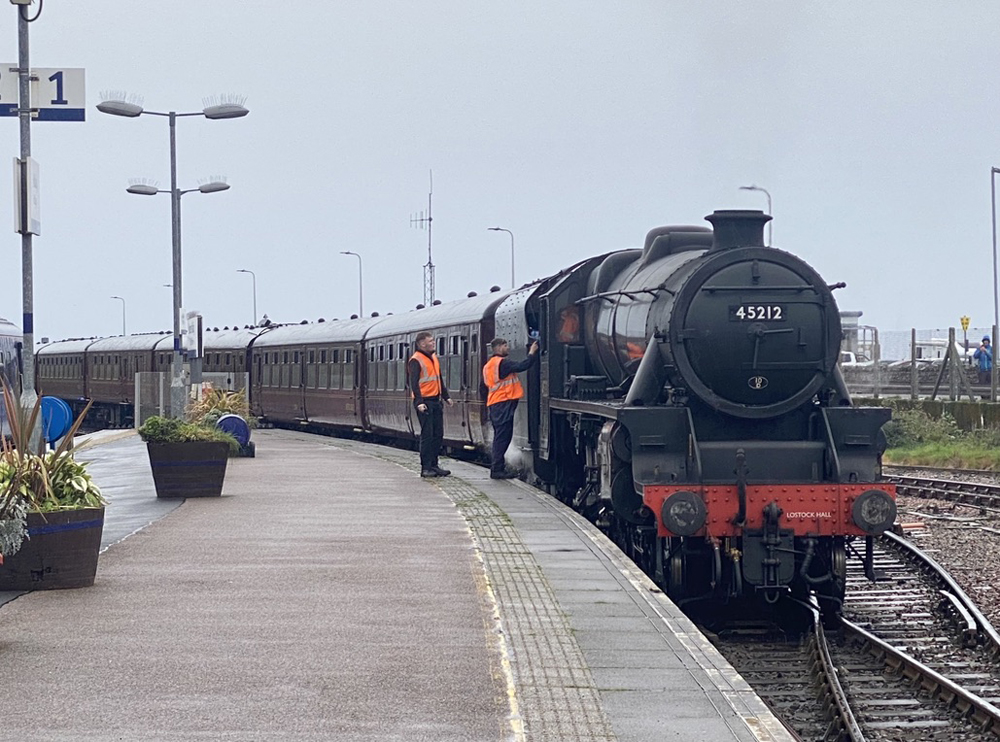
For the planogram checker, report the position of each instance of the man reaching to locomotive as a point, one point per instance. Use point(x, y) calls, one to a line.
point(504, 390)
point(429, 396)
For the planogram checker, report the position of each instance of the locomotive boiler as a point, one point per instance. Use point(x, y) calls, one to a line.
point(689, 401)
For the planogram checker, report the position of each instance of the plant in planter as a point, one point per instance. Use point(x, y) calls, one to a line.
point(51, 512)
point(187, 459)
point(229, 412)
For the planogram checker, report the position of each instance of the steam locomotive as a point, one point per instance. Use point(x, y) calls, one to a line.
point(687, 400)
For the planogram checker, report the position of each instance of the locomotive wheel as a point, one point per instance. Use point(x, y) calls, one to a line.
point(839, 557)
point(831, 593)
point(676, 569)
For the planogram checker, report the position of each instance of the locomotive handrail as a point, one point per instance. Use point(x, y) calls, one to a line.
point(611, 295)
point(747, 289)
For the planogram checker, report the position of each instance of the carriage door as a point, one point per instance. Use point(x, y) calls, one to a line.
point(255, 381)
point(469, 387)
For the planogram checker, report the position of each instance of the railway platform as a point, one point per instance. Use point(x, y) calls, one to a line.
point(331, 593)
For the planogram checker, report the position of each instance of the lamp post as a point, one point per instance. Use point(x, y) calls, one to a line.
point(770, 233)
point(254, 277)
point(124, 334)
point(178, 389)
point(501, 229)
point(993, 206)
point(361, 300)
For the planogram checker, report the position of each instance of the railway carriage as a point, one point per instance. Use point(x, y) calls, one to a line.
point(309, 374)
point(462, 330)
point(101, 370)
point(61, 371)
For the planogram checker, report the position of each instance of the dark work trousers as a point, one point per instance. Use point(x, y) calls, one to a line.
point(502, 418)
point(431, 433)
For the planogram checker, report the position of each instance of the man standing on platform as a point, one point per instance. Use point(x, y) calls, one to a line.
point(504, 390)
point(429, 396)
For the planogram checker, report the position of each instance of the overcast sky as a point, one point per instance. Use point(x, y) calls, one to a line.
point(578, 125)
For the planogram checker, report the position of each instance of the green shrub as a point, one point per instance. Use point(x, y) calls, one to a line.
point(169, 430)
point(910, 428)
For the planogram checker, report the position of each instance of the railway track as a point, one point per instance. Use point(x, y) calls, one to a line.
point(793, 670)
point(913, 659)
point(978, 494)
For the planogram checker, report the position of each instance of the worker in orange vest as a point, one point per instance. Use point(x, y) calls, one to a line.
point(503, 391)
point(429, 397)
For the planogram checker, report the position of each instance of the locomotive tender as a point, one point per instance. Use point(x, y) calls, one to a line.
point(687, 400)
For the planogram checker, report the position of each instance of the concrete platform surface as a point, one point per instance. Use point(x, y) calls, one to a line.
point(332, 594)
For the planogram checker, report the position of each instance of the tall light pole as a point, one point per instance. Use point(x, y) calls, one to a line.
point(361, 283)
point(124, 334)
point(24, 113)
point(178, 389)
point(770, 232)
point(254, 277)
point(993, 206)
point(501, 229)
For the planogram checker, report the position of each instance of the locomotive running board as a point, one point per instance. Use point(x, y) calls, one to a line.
point(603, 408)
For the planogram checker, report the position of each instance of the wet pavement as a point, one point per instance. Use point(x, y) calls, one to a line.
point(331, 593)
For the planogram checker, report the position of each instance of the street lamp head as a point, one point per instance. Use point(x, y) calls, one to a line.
point(348, 252)
point(213, 187)
point(749, 188)
point(120, 108)
point(225, 111)
point(243, 270)
point(142, 189)
point(495, 229)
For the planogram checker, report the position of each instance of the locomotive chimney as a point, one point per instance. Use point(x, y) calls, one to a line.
point(735, 228)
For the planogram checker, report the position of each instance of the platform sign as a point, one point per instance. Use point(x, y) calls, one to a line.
point(965, 323)
point(27, 182)
point(58, 93)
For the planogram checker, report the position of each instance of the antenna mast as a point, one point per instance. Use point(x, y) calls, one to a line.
point(427, 221)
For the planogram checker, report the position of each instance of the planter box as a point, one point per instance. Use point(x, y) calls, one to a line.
point(193, 469)
point(249, 451)
point(61, 551)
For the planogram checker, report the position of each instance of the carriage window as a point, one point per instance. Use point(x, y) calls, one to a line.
point(284, 357)
point(322, 356)
point(336, 356)
point(381, 353)
point(312, 356)
point(229, 358)
point(441, 346)
point(348, 355)
point(475, 342)
point(454, 345)
point(371, 353)
point(296, 357)
point(392, 352)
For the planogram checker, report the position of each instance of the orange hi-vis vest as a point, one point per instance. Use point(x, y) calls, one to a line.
point(430, 375)
point(501, 390)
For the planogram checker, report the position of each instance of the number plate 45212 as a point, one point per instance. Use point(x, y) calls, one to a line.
point(757, 313)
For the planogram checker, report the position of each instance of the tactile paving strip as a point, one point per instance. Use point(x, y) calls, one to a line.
point(554, 690)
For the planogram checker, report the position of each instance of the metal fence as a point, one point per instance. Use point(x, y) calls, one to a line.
point(935, 368)
point(152, 391)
